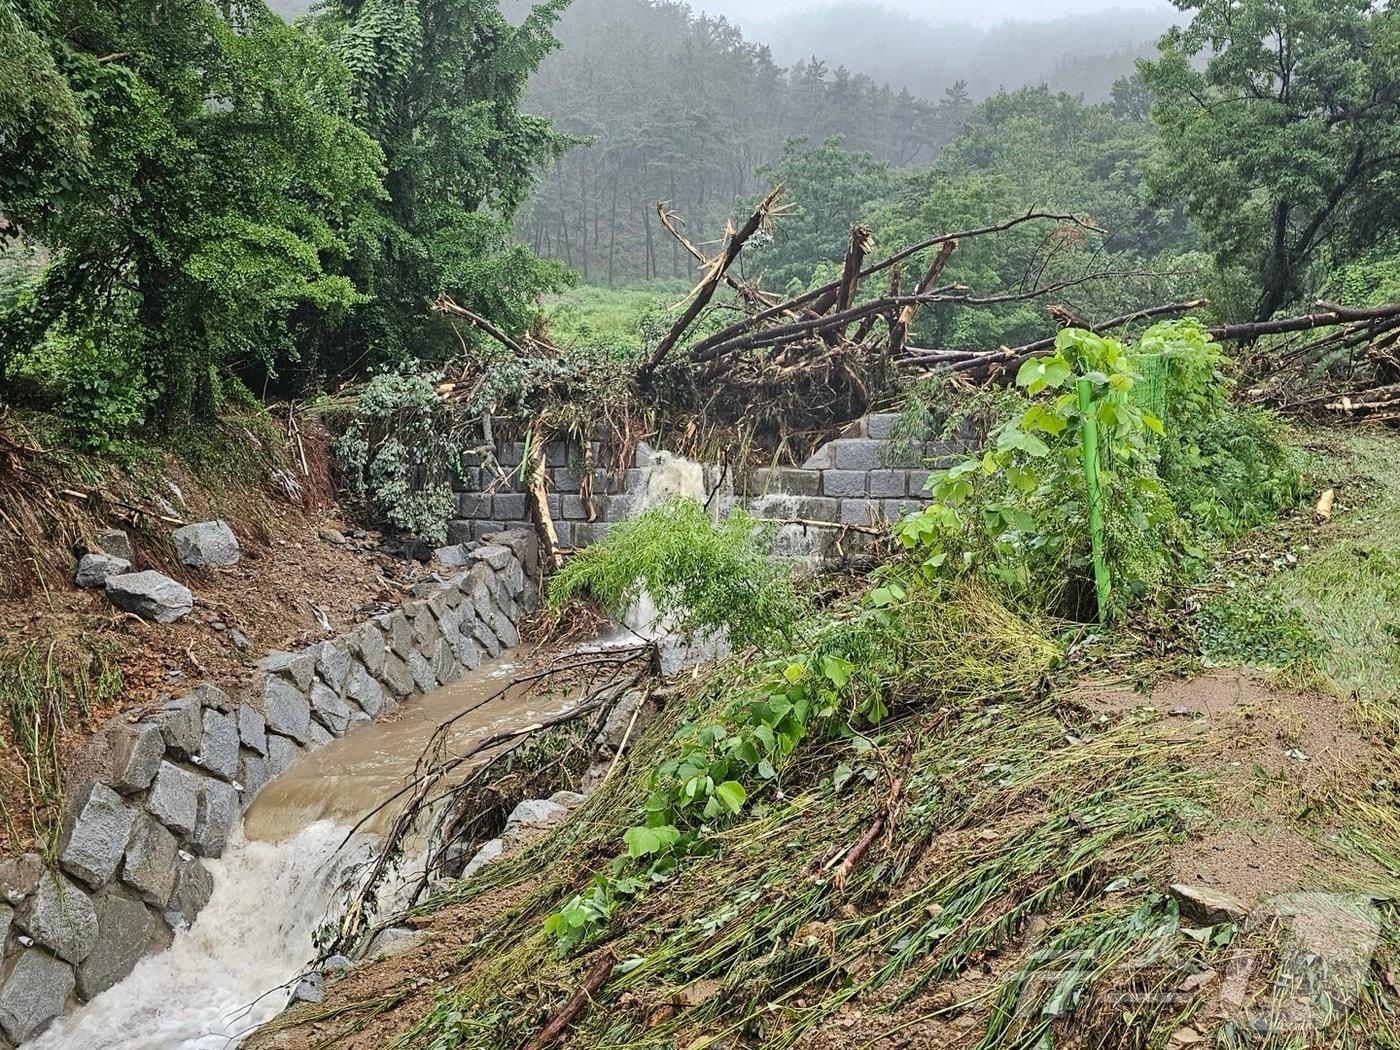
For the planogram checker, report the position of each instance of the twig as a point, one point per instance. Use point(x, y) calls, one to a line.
point(597, 977)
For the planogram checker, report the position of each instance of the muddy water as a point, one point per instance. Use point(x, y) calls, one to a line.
point(279, 878)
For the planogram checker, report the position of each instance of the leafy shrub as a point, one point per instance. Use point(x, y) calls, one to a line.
point(1253, 627)
point(702, 575)
point(400, 450)
point(1018, 513)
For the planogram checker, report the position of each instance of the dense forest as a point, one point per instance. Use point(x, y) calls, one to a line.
point(209, 202)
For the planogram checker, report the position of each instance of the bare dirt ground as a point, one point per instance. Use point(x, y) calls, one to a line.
point(1281, 762)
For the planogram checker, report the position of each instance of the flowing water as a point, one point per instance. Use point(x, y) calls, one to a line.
point(282, 873)
point(229, 972)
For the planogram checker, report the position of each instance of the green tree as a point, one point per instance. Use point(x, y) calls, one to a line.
point(1286, 137)
point(438, 84)
point(196, 229)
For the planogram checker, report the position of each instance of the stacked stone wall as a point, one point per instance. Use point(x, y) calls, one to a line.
point(165, 791)
point(862, 478)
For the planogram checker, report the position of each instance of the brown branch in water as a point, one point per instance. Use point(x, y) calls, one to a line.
point(597, 977)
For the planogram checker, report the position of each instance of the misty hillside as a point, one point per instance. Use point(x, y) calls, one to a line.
point(1081, 54)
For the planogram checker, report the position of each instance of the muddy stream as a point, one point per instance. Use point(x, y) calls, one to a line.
point(278, 879)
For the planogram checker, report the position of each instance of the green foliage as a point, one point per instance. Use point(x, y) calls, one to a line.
point(832, 188)
point(1280, 124)
point(1018, 513)
point(700, 575)
point(222, 171)
point(400, 451)
point(437, 84)
point(618, 322)
point(1249, 626)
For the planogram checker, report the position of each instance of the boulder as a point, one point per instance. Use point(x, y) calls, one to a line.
point(124, 930)
point(193, 888)
point(181, 723)
point(397, 676)
point(252, 775)
point(287, 711)
point(444, 661)
point(479, 587)
point(467, 651)
point(426, 631)
point(367, 642)
point(486, 637)
point(136, 754)
point(395, 940)
point(281, 753)
point(512, 580)
point(421, 668)
point(95, 832)
point(218, 809)
point(484, 856)
point(151, 595)
point(454, 556)
point(19, 876)
point(206, 543)
point(329, 709)
point(318, 736)
point(504, 628)
point(493, 554)
point(1207, 906)
point(298, 668)
point(338, 964)
point(333, 664)
point(149, 868)
point(93, 569)
point(252, 729)
point(536, 813)
point(366, 691)
point(567, 799)
point(35, 993)
point(113, 542)
point(308, 990)
point(218, 753)
point(60, 917)
point(7, 918)
point(399, 633)
point(174, 798)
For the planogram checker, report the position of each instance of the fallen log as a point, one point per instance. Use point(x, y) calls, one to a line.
point(597, 977)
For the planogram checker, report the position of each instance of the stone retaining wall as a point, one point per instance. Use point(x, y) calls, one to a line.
point(164, 792)
point(861, 478)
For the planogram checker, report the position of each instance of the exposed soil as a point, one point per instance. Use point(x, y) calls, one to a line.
point(304, 574)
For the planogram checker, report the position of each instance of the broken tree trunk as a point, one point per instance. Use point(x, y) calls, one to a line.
point(537, 499)
point(899, 331)
point(702, 295)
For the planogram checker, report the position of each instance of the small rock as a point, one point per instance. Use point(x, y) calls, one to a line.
point(114, 542)
point(252, 775)
point(536, 813)
point(212, 696)
point(396, 940)
point(239, 640)
point(308, 990)
point(494, 555)
point(281, 753)
point(568, 799)
point(193, 888)
point(337, 964)
point(181, 724)
point(93, 569)
point(1208, 906)
point(19, 876)
point(206, 543)
point(454, 556)
point(333, 536)
point(329, 709)
point(297, 668)
point(151, 595)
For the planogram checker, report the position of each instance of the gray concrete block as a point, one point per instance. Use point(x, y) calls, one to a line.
point(556, 454)
point(880, 425)
point(894, 509)
point(919, 483)
point(860, 511)
point(485, 528)
point(565, 531)
point(816, 508)
point(565, 479)
point(586, 533)
point(889, 484)
point(473, 505)
point(786, 481)
point(508, 507)
point(843, 484)
point(511, 454)
point(459, 532)
point(859, 454)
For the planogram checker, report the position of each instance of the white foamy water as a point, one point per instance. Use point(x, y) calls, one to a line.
point(225, 975)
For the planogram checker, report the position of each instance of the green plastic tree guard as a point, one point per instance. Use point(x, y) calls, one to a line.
point(1089, 437)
